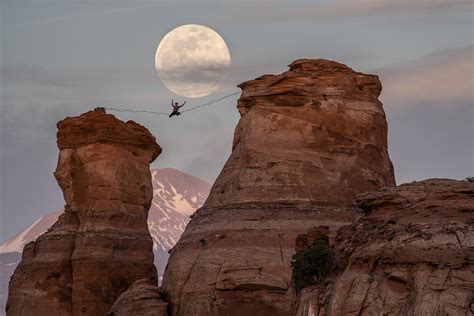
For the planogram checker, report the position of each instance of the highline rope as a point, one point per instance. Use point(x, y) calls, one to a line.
point(165, 113)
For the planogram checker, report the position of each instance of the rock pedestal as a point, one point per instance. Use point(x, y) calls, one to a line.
point(100, 245)
point(308, 141)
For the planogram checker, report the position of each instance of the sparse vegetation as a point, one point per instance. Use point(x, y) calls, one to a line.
point(312, 265)
point(470, 179)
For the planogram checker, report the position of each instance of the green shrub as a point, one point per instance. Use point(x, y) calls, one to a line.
point(312, 265)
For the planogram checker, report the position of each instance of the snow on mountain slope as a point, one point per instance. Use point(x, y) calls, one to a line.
point(176, 195)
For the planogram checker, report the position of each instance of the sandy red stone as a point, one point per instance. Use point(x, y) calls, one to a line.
point(308, 142)
point(100, 245)
point(411, 254)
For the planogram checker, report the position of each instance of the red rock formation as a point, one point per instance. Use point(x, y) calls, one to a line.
point(141, 299)
point(100, 244)
point(314, 133)
point(412, 254)
point(308, 141)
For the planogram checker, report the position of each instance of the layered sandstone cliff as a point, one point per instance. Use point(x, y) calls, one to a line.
point(308, 141)
point(411, 254)
point(100, 245)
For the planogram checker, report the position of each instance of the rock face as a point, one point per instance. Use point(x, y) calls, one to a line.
point(412, 254)
point(141, 299)
point(100, 245)
point(308, 141)
point(315, 233)
point(314, 133)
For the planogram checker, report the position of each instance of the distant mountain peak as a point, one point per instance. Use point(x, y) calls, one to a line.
point(178, 191)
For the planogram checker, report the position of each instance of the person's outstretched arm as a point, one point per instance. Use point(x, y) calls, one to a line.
point(183, 104)
point(172, 103)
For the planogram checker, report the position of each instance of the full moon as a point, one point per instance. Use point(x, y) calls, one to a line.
point(192, 60)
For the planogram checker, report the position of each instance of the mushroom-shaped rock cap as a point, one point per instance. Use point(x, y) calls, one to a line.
point(313, 78)
point(97, 126)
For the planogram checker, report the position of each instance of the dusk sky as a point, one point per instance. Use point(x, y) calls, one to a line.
point(61, 58)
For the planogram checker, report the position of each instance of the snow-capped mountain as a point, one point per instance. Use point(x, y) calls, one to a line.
point(176, 195)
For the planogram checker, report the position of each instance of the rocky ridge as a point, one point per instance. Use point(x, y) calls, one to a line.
point(411, 254)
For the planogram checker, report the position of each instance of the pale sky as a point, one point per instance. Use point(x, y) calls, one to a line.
point(63, 57)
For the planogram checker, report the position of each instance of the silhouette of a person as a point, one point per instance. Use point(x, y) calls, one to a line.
point(176, 108)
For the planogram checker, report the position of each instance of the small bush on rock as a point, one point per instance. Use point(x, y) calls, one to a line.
point(312, 265)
